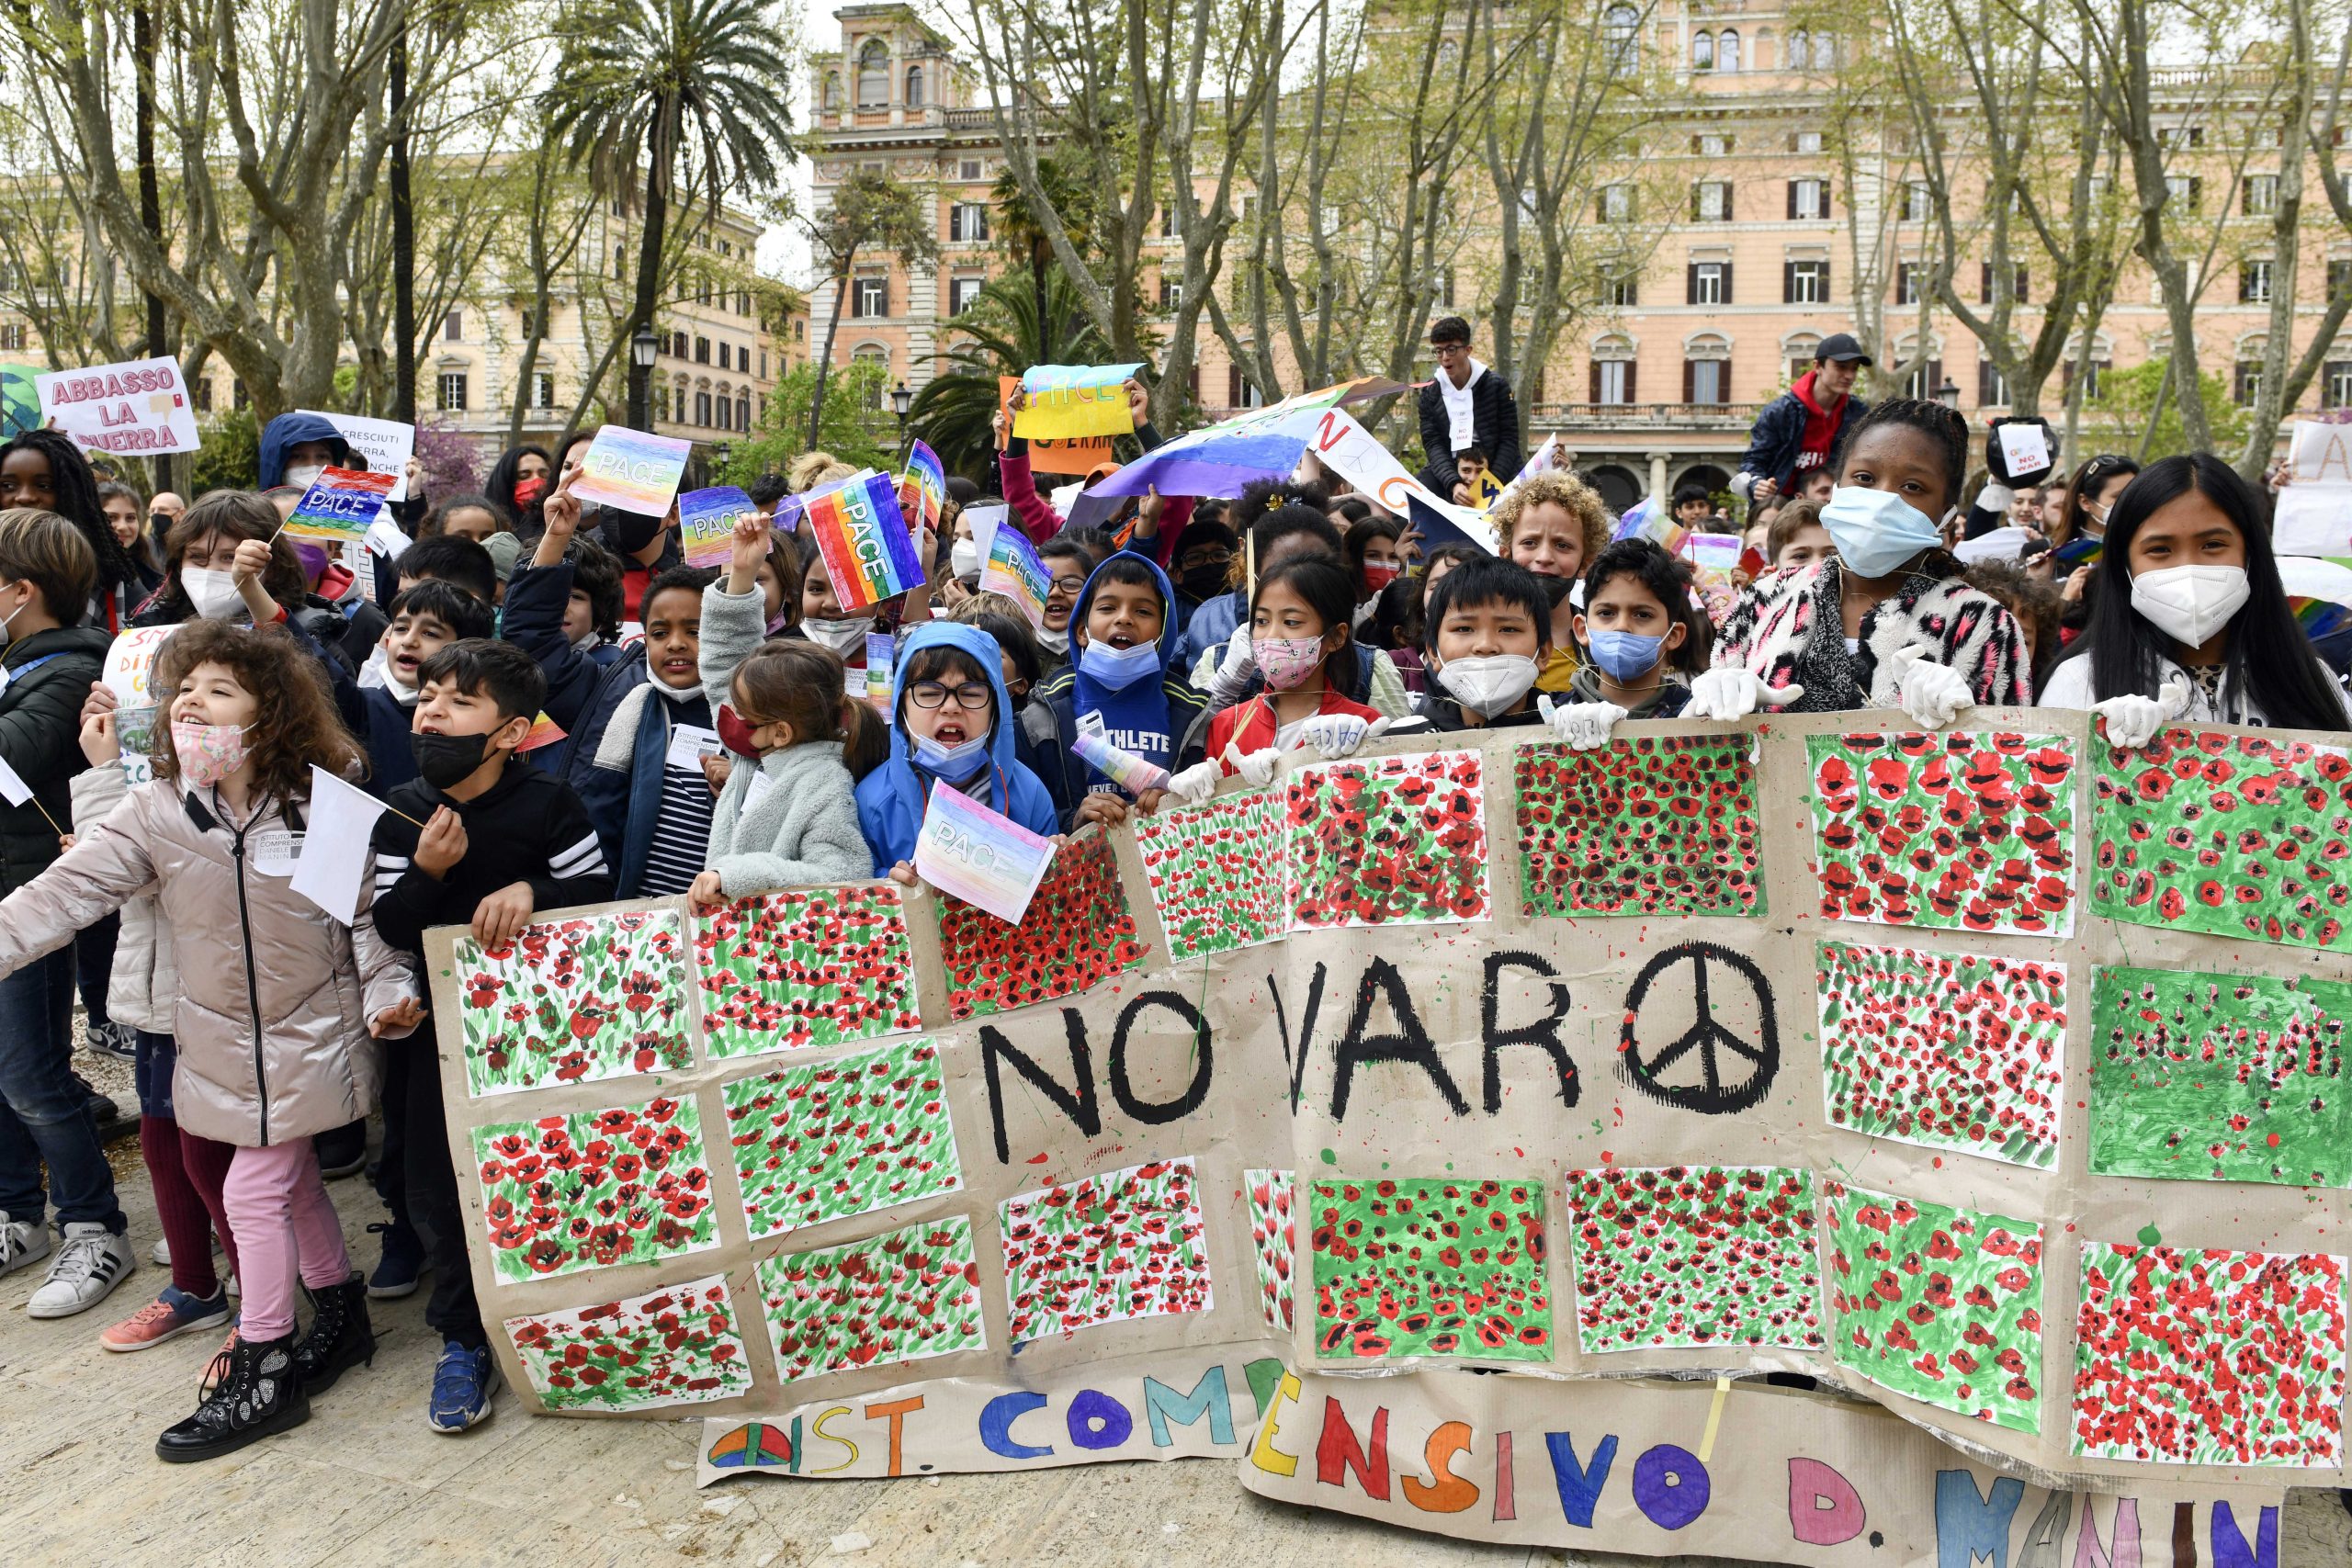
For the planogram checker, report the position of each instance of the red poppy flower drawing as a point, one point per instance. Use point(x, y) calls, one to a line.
point(1693, 1255)
point(674, 1346)
point(905, 1295)
point(1940, 1303)
point(1106, 1248)
point(1215, 873)
point(2210, 1357)
point(1968, 830)
point(1408, 1268)
point(1951, 1052)
point(573, 1001)
point(593, 1188)
point(1077, 932)
point(1661, 825)
point(2234, 835)
point(814, 966)
point(1391, 841)
point(1273, 1244)
point(833, 1139)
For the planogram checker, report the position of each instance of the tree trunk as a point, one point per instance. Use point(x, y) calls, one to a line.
point(403, 240)
point(825, 360)
point(660, 143)
point(151, 204)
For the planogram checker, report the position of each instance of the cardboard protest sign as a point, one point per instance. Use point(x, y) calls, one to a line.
point(633, 469)
point(1813, 1044)
point(138, 406)
point(386, 444)
point(129, 672)
point(1063, 402)
point(1073, 455)
point(342, 505)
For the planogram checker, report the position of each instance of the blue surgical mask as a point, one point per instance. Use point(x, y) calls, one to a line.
point(1626, 656)
point(1118, 668)
point(1876, 530)
point(954, 763)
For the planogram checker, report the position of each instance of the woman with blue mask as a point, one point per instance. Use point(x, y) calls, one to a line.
point(1889, 622)
point(1638, 631)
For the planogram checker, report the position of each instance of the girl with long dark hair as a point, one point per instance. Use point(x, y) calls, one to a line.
point(43, 469)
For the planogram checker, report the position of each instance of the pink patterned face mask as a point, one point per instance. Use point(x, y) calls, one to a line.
point(207, 752)
point(1286, 662)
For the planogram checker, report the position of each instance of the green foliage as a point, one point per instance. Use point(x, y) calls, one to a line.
point(2141, 410)
point(1000, 333)
point(231, 456)
point(857, 426)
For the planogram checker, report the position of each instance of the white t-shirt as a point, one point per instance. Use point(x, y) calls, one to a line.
point(1459, 411)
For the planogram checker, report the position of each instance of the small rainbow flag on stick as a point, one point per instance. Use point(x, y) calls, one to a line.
point(863, 536)
point(2080, 550)
point(1010, 565)
point(930, 476)
point(339, 505)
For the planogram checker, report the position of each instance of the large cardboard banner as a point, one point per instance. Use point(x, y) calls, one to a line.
point(1991, 1077)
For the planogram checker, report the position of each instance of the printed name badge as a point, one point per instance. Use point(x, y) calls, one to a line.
point(690, 743)
point(276, 852)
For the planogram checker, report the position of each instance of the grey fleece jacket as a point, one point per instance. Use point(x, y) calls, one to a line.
point(803, 829)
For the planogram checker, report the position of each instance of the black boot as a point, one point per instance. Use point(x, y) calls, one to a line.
point(340, 1335)
point(259, 1393)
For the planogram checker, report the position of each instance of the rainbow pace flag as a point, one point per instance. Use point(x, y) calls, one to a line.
point(1010, 565)
point(342, 504)
point(1546, 459)
point(930, 476)
point(2083, 549)
point(1647, 519)
point(863, 537)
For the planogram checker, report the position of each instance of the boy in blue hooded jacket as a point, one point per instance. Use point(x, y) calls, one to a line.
point(1126, 675)
point(948, 721)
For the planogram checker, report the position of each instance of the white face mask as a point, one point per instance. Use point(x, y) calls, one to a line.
point(306, 475)
point(963, 557)
point(2190, 603)
point(841, 637)
point(7, 634)
point(1054, 642)
point(212, 594)
point(1487, 686)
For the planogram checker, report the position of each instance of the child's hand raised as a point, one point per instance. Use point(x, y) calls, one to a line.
point(397, 1019)
point(705, 894)
point(752, 534)
point(442, 845)
point(252, 559)
point(500, 918)
point(1139, 401)
point(560, 511)
point(98, 744)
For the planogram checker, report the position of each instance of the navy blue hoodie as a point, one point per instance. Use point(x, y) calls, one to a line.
point(1146, 719)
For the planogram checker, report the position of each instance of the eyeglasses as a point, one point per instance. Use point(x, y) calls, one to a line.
point(1445, 348)
point(931, 694)
point(1070, 585)
point(1219, 556)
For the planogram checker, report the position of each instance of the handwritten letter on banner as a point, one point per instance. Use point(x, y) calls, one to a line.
point(1918, 1064)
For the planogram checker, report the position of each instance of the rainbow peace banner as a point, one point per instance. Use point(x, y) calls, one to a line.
point(341, 505)
point(1065, 401)
point(930, 476)
point(707, 520)
point(863, 536)
point(633, 469)
point(1009, 564)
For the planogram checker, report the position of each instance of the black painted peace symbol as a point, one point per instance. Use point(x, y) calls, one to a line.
point(1713, 1042)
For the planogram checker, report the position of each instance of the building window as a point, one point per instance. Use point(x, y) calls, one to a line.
point(1612, 381)
point(1711, 201)
point(2254, 282)
point(914, 87)
point(743, 413)
point(529, 331)
point(1907, 282)
point(832, 97)
point(2249, 383)
point(961, 292)
point(702, 350)
point(1923, 380)
point(453, 391)
point(1702, 52)
point(1918, 201)
point(2185, 189)
point(1805, 140)
point(2091, 374)
point(1985, 284)
point(1727, 51)
point(742, 302)
point(1705, 381)
point(1710, 283)
point(1808, 198)
point(1711, 144)
point(967, 221)
point(1621, 290)
point(1799, 57)
point(968, 169)
point(546, 390)
point(201, 390)
point(678, 403)
point(800, 330)
point(870, 297)
point(453, 327)
point(1615, 203)
point(724, 410)
point(1805, 283)
point(1621, 28)
point(2261, 198)
point(763, 364)
point(873, 78)
point(12, 336)
point(2335, 384)
point(238, 396)
point(1171, 292)
point(1992, 386)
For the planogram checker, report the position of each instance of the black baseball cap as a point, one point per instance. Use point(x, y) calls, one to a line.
point(1841, 347)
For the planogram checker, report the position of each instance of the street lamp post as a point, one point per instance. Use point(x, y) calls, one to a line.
point(642, 350)
point(899, 399)
point(1949, 394)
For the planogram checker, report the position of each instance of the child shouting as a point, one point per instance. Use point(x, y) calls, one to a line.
point(1123, 684)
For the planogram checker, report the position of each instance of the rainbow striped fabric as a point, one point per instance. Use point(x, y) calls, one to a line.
point(863, 537)
point(930, 476)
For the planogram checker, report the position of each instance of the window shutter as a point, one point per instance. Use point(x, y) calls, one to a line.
point(1825, 280)
point(2020, 285)
point(1689, 377)
point(1793, 198)
point(1596, 383)
point(1787, 283)
point(1824, 200)
point(1727, 208)
point(1984, 283)
point(1631, 396)
point(1600, 206)
point(1727, 294)
point(1233, 385)
point(1690, 283)
point(1935, 377)
point(1694, 201)
point(1983, 380)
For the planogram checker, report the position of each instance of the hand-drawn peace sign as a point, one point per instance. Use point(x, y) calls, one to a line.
point(1710, 1038)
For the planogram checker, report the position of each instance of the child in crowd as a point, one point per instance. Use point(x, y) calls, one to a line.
point(248, 722)
point(499, 842)
point(1796, 541)
point(1036, 735)
point(463, 518)
point(1474, 486)
point(1375, 558)
point(788, 815)
point(1068, 563)
point(1225, 671)
point(1553, 525)
point(200, 564)
point(1637, 630)
point(1488, 629)
point(426, 619)
point(948, 704)
point(1396, 626)
point(452, 559)
point(1124, 684)
point(823, 622)
point(2034, 600)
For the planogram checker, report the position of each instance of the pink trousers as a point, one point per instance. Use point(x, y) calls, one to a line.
point(286, 1228)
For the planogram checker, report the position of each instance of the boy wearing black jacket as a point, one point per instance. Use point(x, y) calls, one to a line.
point(500, 843)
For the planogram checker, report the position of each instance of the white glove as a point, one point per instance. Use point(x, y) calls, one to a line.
point(1257, 769)
point(1726, 693)
point(1584, 727)
point(1196, 783)
point(1334, 734)
point(1932, 694)
point(1234, 672)
point(2132, 720)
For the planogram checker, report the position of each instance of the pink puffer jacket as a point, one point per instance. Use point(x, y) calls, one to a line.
point(275, 994)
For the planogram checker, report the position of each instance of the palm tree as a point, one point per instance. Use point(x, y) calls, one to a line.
point(643, 82)
point(999, 334)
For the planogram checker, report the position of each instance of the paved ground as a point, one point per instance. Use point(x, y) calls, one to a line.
point(367, 1483)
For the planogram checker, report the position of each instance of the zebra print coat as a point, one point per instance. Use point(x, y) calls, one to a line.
point(1787, 629)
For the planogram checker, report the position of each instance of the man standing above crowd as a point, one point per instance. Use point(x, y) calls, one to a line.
point(1797, 429)
point(1465, 405)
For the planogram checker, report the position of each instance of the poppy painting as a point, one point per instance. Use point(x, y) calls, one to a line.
point(1216, 873)
point(1389, 841)
point(573, 1001)
point(1677, 1255)
point(905, 1295)
point(1665, 825)
point(827, 1140)
point(674, 1346)
point(1077, 933)
point(594, 1189)
point(810, 967)
point(1106, 1248)
point(1273, 1244)
point(1408, 1268)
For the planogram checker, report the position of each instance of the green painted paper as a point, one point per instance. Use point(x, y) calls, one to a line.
point(573, 1001)
point(674, 1346)
point(831, 1139)
point(1215, 873)
point(1946, 1050)
point(1942, 1304)
point(1677, 1255)
point(905, 1295)
point(1661, 825)
point(817, 966)
point(1425, 1268)
point(2219, 1077)
point(594, 1189)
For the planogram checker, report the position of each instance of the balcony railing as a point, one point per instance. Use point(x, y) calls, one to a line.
point(1645, 416)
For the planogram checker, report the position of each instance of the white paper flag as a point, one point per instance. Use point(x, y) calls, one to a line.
point(336, 849)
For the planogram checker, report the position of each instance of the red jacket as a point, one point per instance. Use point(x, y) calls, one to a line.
point(1251, 721)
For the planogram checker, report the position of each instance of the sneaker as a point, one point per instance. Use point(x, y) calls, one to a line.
point(168, 1317)
point(259, 1393)
point(115, 1040)
point(343, 1151)
point(402, 1261)
point(160, 1255)
point(92, 1261)
point(22, 1243)
point(463, 1383)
